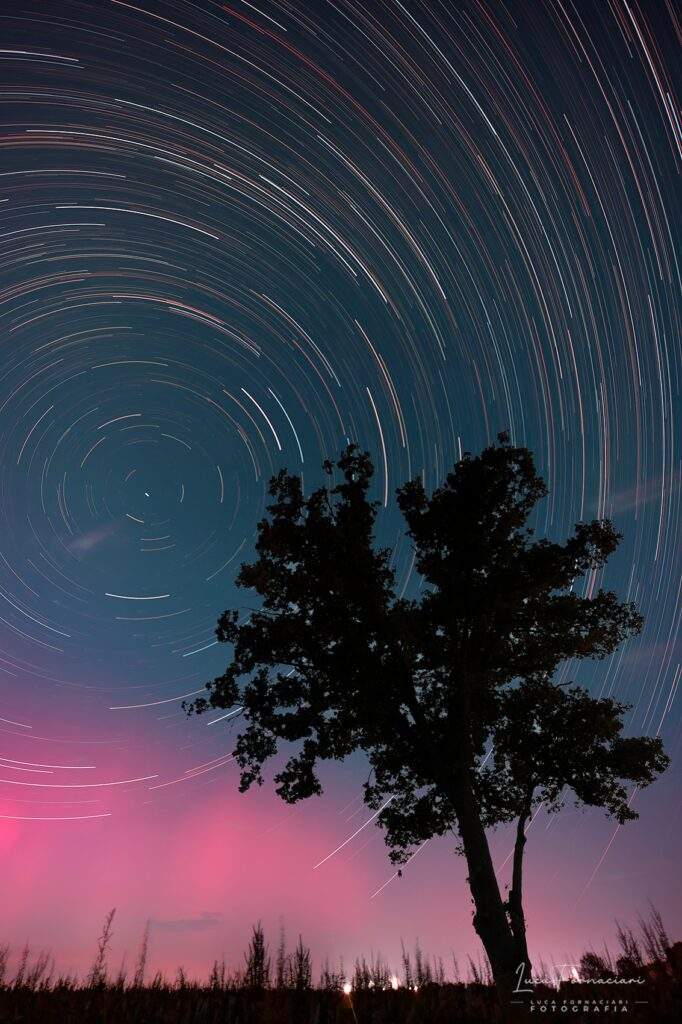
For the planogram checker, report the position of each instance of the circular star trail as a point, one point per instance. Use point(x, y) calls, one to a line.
point(234, 237)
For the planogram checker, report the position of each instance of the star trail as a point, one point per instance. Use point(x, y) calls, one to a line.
point(234, 237)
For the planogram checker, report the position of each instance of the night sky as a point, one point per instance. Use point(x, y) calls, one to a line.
point(233, 238)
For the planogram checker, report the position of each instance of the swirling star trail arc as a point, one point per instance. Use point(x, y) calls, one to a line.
point(235, 237)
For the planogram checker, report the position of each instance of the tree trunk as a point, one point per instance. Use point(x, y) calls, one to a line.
point(490, 919)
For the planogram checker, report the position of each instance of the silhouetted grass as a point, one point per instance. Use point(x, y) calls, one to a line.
point(261, 991)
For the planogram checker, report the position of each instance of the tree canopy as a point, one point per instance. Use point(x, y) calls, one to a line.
point(451, 695)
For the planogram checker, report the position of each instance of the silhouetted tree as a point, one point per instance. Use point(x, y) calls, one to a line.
point(300, 967)
point(257, 970)
point(451, 696)
point(332, 979)
point(218, 976)
point(594, 967)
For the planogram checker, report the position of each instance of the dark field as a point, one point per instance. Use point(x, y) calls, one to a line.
point(641, 981)
point(447, 1004)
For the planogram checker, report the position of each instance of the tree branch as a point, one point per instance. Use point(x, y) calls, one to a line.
point(515, 899)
